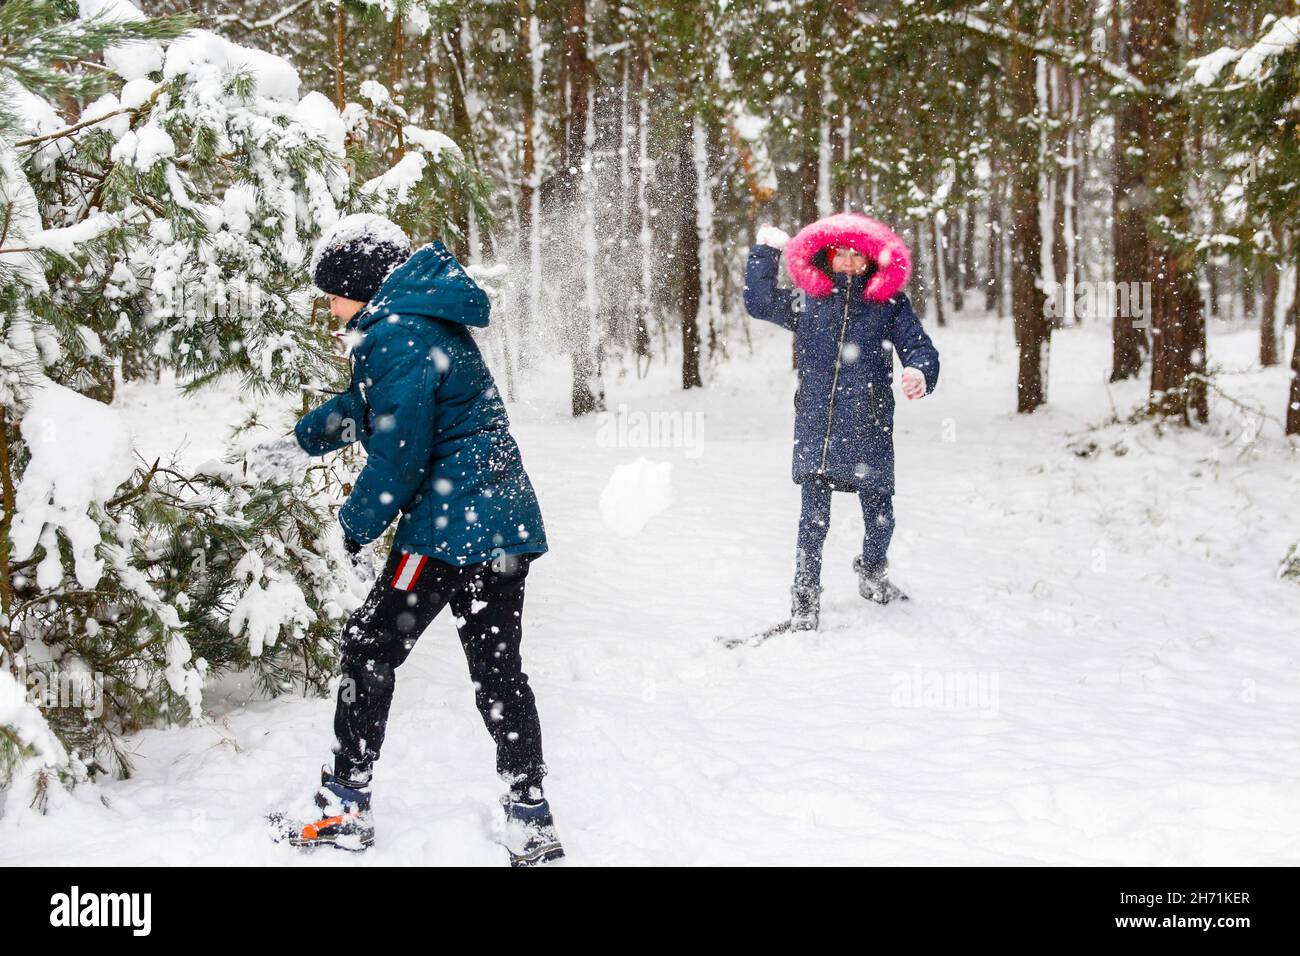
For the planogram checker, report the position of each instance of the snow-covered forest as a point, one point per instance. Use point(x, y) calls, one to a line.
point(1098, 507)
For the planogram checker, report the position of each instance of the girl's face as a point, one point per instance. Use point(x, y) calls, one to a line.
point(850, 261)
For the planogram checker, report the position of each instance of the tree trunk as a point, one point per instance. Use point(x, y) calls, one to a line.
point(968, 247)
point(825, 144)
point(587, 392)
point(940, 280)
point(920, 283)
point(644, 238)
point(1069, 208)
point(395, 50)
point(462, 133)
point(340, 44)
point(840, 149)
point(810, 132)
point(9, 642)
point(952, 231)
point(1268, 350)
point(993, 298)
point(1028, 301)
point(1178, 389)
point(1131, 204)
point(1293, 403)
point(1212, 287)
point(688, 257)
point(529, 244)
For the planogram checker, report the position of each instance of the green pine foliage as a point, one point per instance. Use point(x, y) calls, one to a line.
point(1255, 115)
point(157, 215)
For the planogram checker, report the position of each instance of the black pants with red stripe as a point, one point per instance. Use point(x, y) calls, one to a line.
point(488, 602)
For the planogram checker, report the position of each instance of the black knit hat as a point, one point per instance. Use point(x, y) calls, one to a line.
point(354, 257)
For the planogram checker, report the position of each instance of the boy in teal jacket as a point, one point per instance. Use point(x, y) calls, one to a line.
point(441, 461)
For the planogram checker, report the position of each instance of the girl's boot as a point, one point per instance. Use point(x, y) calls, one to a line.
point(805, 607)
point(874, 583)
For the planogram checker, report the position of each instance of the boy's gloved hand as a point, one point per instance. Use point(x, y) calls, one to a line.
point(913, 383)
point(280, 459)
point(363, 560)
point(771, 236)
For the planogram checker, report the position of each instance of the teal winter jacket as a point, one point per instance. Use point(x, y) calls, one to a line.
point(439, 453)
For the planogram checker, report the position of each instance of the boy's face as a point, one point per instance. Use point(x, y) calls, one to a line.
point(343, 309)
point(850, 261)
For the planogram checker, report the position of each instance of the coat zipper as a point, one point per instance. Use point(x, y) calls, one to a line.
point(835, 379)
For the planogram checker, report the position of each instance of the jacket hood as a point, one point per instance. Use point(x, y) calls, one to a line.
point(431, 283)
point(868, 236)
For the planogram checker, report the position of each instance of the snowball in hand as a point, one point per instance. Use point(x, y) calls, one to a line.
point(913, 382)
point(772, 236)
point(635, 493)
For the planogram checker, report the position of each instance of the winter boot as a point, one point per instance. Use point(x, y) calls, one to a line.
point(529, 834)
point(805, 607)
point(344, 820)
point(874, 583)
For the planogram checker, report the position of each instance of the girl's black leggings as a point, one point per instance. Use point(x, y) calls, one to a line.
point(815, 523)
point(488, 602)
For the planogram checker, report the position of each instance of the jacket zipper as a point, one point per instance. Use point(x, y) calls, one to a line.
point(835, 378)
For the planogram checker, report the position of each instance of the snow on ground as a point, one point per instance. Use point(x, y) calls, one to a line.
point(1098, 665)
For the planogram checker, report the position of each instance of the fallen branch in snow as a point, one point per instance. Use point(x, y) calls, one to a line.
point(1210, 384)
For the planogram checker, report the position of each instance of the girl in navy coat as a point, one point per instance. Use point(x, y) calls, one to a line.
point(849, 315)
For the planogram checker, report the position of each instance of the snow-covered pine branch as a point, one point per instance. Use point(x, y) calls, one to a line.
point(163, 223)
point(1050, 47)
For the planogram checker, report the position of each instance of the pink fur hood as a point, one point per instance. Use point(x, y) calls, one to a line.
point(856, 231)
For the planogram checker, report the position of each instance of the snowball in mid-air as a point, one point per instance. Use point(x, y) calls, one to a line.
point(636, 492)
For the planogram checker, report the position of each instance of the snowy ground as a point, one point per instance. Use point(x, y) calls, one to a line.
point(1120, 662)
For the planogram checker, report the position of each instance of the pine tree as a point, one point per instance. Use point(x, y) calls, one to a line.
point(159, 219)
point(1248, 92)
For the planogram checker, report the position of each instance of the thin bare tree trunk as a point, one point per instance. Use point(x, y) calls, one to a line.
point(645, 238)
point(1131, 247)
point(920, 283)
point(529, 240)
point(340, 45)
point(1293, 402)
point(810, 133)
point(1268, 350)
point(940, 279)
point(1028, 300)
point(395, 55)
point(587, 393)
point(7, 641)
point(688, 258)
point(993, 298)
